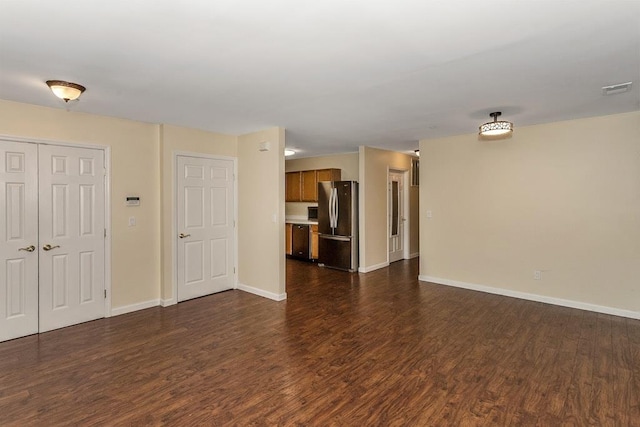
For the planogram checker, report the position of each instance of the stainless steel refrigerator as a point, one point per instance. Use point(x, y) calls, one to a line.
point(338, 224)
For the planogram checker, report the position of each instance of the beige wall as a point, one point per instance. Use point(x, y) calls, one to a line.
point(142, 165)
point(374, 168)
point(178, 139)
point(347, 163)
point(135, 170)
point(261, 212)
point(563, 198)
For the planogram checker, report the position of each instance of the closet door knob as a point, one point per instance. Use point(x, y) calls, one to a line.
point(28, 248)
point(182, 235)
point(49, 247)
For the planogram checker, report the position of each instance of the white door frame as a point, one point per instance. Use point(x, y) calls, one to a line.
point(405, 208)
point(174, 213)
point(107, 201)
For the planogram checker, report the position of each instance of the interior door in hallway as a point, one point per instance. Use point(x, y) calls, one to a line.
point(205, 223)
point(396, 216)
point(72, 224)
point(19, 239)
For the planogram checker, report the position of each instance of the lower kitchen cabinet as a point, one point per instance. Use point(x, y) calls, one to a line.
point(288, 234)
point(314, 241)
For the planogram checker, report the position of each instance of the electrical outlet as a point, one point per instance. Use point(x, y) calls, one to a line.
point(537, 274)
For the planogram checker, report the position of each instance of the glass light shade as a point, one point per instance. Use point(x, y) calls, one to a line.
point(65, 90)
point(417, 152)
point(288, 152)
point(496, 128)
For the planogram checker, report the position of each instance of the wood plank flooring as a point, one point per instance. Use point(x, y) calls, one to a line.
point(344, 349)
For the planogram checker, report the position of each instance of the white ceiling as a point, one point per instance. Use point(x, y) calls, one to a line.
point(335, 73)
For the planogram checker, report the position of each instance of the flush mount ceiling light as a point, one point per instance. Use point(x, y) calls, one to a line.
point(289, 152)
point(65, 90)
point(417, 152)
point(496, 127)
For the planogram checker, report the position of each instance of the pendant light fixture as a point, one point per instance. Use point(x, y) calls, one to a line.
point(65, 90)
point(496, 127)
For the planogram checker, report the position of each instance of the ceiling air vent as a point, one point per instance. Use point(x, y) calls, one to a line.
point(619, 88)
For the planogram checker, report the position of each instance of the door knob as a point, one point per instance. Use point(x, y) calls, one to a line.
point(28, 248)
point(182, 235)
point(49, 247)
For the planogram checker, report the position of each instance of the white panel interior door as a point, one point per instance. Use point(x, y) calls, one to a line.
point(205, 219)
point(72, 222)
point(19, 239)
point(396, 217)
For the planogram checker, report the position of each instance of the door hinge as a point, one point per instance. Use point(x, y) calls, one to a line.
point(105, 232)
point(234, 270)
point(105, 294)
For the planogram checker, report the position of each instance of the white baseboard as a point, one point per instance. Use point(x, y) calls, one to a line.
point(262, 293)
point(168, 302)
point(533, 297)
point(134, 307)
point(373, 267)
point(414, 255)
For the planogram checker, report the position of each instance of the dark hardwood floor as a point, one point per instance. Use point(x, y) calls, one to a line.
point(344, 349)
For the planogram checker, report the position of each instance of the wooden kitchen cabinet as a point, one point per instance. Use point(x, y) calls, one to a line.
point(302, 186)
point(309, 186)
point(293, 186)
point(314, 241)
point(328, 175)
point(287, 239)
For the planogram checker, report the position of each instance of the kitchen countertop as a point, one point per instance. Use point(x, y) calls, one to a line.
point(299, 220)
point(303, 222)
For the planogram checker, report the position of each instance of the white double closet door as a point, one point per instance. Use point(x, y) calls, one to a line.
point(52, 222)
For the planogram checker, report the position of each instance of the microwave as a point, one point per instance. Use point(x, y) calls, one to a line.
point(312, 213)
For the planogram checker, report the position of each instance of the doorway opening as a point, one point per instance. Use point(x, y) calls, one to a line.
point(397, 215)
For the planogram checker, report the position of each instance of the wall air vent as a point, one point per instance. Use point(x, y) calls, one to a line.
point(619, 88)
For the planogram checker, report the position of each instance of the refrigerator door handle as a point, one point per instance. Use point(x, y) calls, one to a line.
point(335, 208)
point(334, 237)
point(331, 209)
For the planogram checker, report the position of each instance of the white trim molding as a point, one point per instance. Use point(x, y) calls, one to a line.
point(533, 297)
point(168, 302)
point(374, 267)
point(262, 293)
point(134, 307)
point(414, 255)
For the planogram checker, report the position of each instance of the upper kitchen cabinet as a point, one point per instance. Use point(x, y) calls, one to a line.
point(293, 186)
point(309, 186)
point(328, 175)
point(302, 186)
